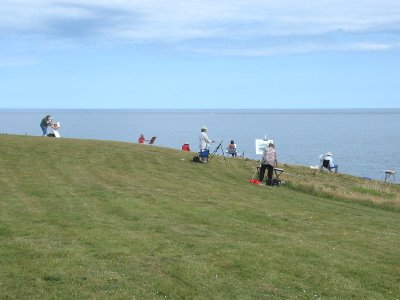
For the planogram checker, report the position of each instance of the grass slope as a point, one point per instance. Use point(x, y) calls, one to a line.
point(109, 220)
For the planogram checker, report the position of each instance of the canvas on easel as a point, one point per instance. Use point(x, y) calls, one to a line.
point(55, 127)
point(151, 142)
point(261, 144)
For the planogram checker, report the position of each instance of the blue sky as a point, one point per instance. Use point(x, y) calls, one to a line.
point(199, 54)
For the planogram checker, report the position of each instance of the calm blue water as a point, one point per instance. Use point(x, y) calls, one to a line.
point(363, 142)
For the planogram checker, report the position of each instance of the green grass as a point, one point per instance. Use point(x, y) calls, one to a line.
point(107, 220)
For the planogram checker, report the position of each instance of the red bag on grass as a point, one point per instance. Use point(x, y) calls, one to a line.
point(254, 181)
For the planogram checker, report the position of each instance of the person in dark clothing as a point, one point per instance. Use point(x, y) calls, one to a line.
point(46, 122)
point(269, 161)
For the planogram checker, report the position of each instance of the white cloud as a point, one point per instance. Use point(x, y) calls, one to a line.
point(231, 26)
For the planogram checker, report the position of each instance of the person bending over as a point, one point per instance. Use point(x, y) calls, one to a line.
point(269, 162)
point(46, 122)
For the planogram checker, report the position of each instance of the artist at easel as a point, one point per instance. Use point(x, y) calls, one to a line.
point(204, 144)
point(269, 162)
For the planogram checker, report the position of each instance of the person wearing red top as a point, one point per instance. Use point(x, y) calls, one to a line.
point(185, 147)
point(141, 139)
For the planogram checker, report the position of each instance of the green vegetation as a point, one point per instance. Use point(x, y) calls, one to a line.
point(92, 219)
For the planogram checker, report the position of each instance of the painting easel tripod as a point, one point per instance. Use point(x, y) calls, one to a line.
point(215, 151)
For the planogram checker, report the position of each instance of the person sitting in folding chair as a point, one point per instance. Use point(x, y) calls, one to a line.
point(269, 161)
point(204, 144)
point(328, 163)
point(231, 149)
point(142, 139)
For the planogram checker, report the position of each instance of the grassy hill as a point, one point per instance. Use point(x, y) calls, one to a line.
point(109, 220)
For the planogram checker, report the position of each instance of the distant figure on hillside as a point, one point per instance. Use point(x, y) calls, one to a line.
point(328, 163)
point(204, 140)
point(185, 147)
point(204, 144)
point(46, 122)
point(269, 161)
point(232, 148)
point(141, 139)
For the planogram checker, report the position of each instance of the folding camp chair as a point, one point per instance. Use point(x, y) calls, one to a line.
point(232, 152)
point(278, 172)
point(325, 165)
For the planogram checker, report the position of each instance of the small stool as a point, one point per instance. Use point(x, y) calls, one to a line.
point(389, 173)
point(278, 172)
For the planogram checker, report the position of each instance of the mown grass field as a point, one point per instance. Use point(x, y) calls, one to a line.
point(85, 219)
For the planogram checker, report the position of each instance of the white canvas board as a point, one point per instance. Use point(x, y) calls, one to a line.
point(55, 128)
point(56, 133)
point(261, 144)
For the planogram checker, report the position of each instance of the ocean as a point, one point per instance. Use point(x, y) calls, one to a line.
point(363, 141)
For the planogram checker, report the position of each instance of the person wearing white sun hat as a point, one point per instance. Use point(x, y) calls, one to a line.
point(204, 144)
point(327, 157)
point(204, 140)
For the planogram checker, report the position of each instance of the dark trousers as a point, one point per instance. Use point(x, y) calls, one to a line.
point(269, 174)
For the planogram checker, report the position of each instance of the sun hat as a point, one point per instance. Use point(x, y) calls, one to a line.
point(203, 128)
point(328, 154)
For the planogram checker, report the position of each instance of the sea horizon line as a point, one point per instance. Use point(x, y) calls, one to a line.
point(381, 110)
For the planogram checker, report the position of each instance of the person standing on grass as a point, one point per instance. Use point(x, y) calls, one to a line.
point(46, 122)
point(204, 140)
point(269, 162)
point(204, 144)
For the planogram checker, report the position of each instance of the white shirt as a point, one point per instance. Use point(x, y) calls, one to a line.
point(328, 157)
point(204, 141)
